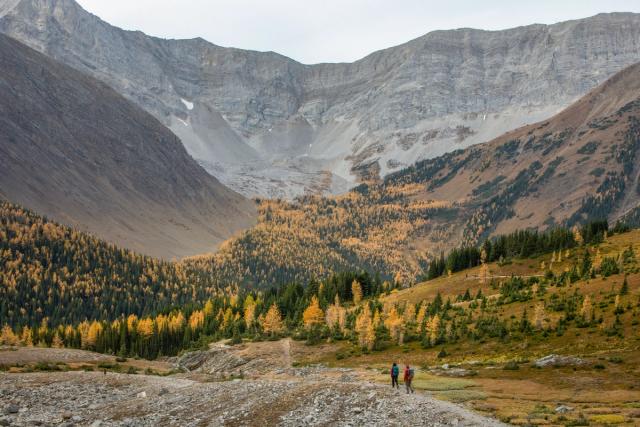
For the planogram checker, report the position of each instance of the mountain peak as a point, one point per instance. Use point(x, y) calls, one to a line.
point(327, 127)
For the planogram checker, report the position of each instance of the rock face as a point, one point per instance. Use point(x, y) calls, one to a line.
point(75, 150)
point(267, 125)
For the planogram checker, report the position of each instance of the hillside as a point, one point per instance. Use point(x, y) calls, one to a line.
point(54, 273)
point(73, 149)
point(577, 166)
point(580, 164)
point(267, 125)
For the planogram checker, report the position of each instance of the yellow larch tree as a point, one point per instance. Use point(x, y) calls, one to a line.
point(176, 321)
point(208, 308)
point(272, 322)
point(336, 315)
point(365, 329)
point(249, 312)
point(57, 341)
point(356, 291)
point(83, 330)
point(196, 320)
point(395, 324)
point(145, 327)
point(433, 328)
point(422, 313)
point(313, 315)
point(95, 328)
point(7, 337)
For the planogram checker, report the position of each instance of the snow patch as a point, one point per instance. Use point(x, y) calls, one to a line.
point(187, 104)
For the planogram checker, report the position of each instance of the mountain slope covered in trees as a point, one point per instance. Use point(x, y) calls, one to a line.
point(73, 149)
point(581, 165)
point(50, 271)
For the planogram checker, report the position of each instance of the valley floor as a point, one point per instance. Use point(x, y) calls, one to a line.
point(287, 397)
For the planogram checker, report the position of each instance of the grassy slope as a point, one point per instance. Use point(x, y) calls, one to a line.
point(529, 395)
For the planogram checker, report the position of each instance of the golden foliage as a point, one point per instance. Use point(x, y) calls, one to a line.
point(272, 322)
point(364, 327)
point(313, 315)
point(7, 337)
point(356, 291)
point(196, 320)
point(336, 316)
point(395, 324)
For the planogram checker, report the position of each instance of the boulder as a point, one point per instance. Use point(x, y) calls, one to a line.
point(563, 409)
point(556, 360)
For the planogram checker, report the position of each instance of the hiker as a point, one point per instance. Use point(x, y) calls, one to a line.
point(395, 372)
point(408, 377)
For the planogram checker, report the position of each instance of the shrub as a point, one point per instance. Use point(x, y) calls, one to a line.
point(511, 366)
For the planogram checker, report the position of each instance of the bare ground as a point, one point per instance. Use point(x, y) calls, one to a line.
point(282, 395)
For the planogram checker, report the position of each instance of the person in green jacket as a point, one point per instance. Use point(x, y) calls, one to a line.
point(395, 372)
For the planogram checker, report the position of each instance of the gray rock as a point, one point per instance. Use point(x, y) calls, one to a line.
point(12, 409)
point(557, 360)
point(563, 409)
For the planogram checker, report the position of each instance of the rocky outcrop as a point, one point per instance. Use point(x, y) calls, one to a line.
point(268, 125)
point(75, 150)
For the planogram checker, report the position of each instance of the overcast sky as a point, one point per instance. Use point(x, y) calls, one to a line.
point(333, 30)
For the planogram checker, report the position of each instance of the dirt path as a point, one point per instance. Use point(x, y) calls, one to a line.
point(272, 393)
point(286, 350)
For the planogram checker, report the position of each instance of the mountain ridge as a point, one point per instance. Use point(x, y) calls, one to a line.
point(324, 127)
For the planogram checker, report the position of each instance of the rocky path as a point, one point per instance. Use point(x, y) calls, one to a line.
point(246, 385)
point(309, 398)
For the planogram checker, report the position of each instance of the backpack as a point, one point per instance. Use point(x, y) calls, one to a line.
point(395, 371)
point(411, 373)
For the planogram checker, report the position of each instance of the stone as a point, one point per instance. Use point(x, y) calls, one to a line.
point(557, 360)
point(12, 409)
point(142, 395)
point(563, 409)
